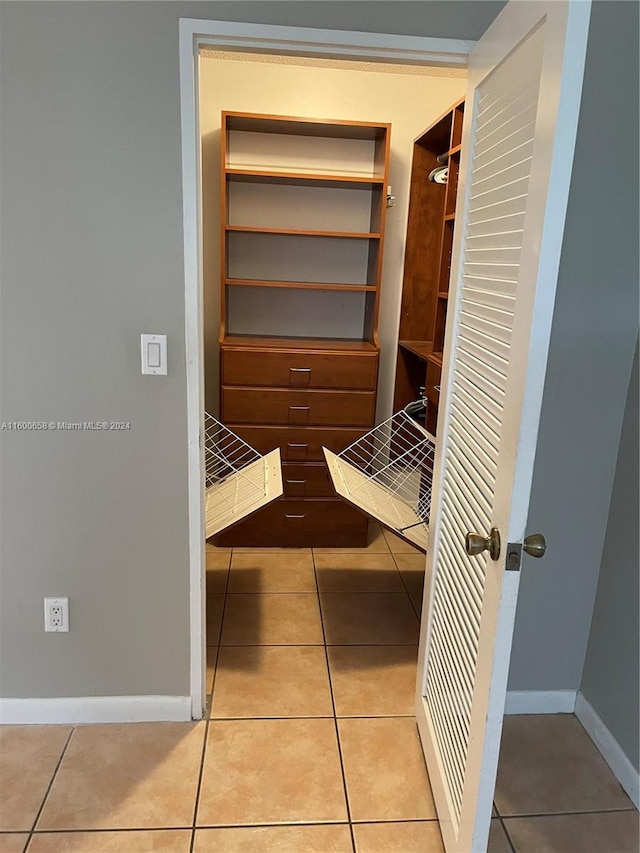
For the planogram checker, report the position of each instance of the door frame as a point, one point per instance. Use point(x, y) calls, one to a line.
point(243, 38)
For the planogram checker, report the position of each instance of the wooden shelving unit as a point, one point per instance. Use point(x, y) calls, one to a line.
point(303, 206)
point(427, 265)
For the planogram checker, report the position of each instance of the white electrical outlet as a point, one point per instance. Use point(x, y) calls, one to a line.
point(56, 614)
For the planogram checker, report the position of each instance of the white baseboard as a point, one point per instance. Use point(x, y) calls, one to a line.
point(540, 702)
point(611, 750)
point(95, 709)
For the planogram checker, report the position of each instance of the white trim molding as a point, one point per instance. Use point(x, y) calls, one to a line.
point(540, 702)
point(265, 38)
point(608, 746)
point(194, 356)
point(95, 709)
point(332, 44)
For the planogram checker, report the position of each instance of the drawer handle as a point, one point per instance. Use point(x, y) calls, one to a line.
point(295, 482)
point(296, 445)
point(299, 408)
point(295, 516)
point(300, 370)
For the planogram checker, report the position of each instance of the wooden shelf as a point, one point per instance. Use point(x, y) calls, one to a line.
point(299, 285)
point(435, 358)
point(325, 344)
point(316, 179)
point(304, 126)
point(301, 232)
point(449, 217)
point(422, 349)
point(455, 150)
point(443, 294)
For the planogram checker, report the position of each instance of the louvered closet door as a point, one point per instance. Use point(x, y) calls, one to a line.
point(520, 120)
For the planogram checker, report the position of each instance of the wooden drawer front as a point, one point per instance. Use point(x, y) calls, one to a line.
point(434, 373)
point(299, 369)
point(299, 524)
point(306, 480)
point(270, 406)
point(297, 444)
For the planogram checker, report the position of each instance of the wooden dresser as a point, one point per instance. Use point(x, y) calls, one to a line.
point(303, 211)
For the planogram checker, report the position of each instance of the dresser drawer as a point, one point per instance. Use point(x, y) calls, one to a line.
point(299, 368)
point(297, 444)
point(306, 480)
point(299, 524)
point(271, 406)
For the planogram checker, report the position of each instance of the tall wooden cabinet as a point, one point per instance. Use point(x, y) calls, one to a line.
point(427, 265)
point(303, 204)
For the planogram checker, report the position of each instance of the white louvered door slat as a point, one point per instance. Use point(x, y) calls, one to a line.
point(493, 255)
point(520, 120)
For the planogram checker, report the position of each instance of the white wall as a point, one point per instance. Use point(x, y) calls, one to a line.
point(410, 102)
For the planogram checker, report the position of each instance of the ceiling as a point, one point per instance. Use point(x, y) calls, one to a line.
point(343, 64)
point(459, 19)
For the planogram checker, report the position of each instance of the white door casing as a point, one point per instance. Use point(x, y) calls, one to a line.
point(521, 114)
point(243, 37)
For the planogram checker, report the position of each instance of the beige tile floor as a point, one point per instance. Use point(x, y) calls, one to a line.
point(310, 745)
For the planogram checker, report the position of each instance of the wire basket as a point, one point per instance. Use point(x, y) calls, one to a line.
point(238, 479)
point(388, 473)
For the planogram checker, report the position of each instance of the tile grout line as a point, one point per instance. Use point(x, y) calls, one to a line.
point(224, 607)
point(620, 810)
point(123, 829)
point(419, 618)
point(315, 716)
point(96, 831)
point(506, 832)
point(346, 592)
point(93, 830)
point(208, 709)
point(200, 774)
point(308, 645)
point(384, 822)
point(49, 786)
point(333, 705)
point(413, 607)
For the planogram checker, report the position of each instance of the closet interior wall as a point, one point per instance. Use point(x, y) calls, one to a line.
point(259, 217)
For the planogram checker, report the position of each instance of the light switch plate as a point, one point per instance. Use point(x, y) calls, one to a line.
point(154, 354)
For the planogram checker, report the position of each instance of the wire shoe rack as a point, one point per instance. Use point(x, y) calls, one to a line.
point(388, 474)
point(238, 479)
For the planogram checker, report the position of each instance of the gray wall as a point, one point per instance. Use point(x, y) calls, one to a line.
point(610, 679)
point(593, 338)
point(91, 218)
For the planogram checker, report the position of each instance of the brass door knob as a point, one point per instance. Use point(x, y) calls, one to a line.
point(475, 544)
point(534, 545)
